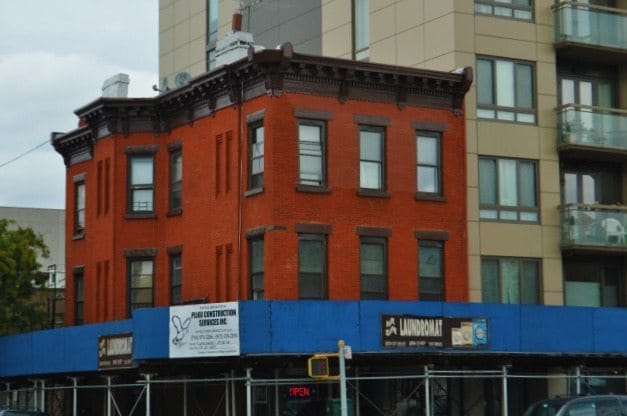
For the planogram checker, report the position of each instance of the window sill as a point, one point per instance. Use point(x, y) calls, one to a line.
point(501, 120)
point(425, 196)
point(140, 215)
point(174, 212)
point(253, 191)
point(78, 236)
point(313, 189)
point(373, 193)
point(496, 16)
point(509, 221)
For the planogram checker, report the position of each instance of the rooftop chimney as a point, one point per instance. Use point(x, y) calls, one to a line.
point(116, 86)
point(234, 46)
point(236, 24)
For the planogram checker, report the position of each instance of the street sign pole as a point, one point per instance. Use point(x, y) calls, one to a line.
point(343, 405)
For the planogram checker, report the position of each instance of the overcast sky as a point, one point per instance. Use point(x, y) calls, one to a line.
point(54, 57)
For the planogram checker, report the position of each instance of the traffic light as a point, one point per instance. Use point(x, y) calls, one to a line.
point(318, 366)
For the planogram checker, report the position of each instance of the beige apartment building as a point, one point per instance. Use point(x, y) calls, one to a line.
point(546, 133)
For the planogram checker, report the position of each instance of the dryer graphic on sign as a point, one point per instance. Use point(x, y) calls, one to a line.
point(181, 329)
point(390, 327)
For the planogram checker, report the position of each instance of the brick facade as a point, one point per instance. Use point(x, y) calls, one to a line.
point(219, 213)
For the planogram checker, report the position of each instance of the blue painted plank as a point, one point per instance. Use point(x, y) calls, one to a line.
point(556, 329)
point(255, 327)
point(310, 326)
point(150, 333)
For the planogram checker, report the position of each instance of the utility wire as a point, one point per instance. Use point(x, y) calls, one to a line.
point(25, 153)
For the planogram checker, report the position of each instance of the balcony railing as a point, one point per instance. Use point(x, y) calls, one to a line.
point(584, 125)
point(592, 25)
point(599, 226)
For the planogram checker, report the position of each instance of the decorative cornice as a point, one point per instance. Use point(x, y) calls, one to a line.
point(271, 72)
point(74, 146)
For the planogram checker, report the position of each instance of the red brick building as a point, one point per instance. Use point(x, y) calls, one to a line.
point(281, 176)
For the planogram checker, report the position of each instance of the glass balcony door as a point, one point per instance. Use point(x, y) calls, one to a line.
point(586, 118)
point(591, 185)
point(592, 283)
point(597, 92)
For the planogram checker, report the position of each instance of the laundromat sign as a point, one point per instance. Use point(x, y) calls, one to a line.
point(115, 351)
point(409, 331)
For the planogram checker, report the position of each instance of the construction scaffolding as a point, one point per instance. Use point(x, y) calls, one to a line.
point(427, 391)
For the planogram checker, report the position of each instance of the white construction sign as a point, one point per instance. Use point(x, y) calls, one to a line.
point(206, 330)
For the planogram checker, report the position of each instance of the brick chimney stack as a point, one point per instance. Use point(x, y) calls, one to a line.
point(236, 23)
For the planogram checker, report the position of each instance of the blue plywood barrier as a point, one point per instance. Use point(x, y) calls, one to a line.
point(310, 326)
point(71, 349)
point(305, 327)
point(556, 329)
point(255, 327)
point(150, 333)
point(609, 330)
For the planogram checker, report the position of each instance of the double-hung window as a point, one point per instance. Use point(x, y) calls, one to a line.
point(176, 180)
point(372, 158)
point(516, 9)
point(430, 270)
point(141, 184)
point(428, 163)
point(256, 156)
point(508, 189)
point(140, 283)
point(312, 266)
point(79, 298)
point(373, 267)
point(176, 279)
point(510, 280)
point(311, 153)
point(505, 90)
point(79, 207)
point(255, 250)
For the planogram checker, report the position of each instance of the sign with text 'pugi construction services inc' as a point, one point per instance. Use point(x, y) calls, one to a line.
point(206, 330)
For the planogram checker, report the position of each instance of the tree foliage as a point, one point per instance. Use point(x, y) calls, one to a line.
point(20, 275)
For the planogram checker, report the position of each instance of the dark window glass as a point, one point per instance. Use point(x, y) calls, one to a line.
point(79, 208)
point(312, 267)
point(430, 270)
point(176, 179)
point(371, 158)
point(515, 9)
point(591, 184)
point(212, 33)
point(256, 268)
point(176, 279)
point(256, 167)
point(141, 183)
point(510, 280)
point(361, 29)
point(373, 268)
point(79, 299)
point(140, 284)
point(428, 158)
point(505, 90)
point(508, 189)
point(593, 282)
point(311, 153)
